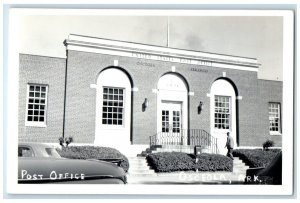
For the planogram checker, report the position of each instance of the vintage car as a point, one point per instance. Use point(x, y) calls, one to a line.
point(272, 174)
point(41, 163)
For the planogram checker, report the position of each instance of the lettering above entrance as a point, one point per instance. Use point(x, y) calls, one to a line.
point(171, 59)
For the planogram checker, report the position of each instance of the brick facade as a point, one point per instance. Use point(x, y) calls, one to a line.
point(49, 71)
point(83, 69)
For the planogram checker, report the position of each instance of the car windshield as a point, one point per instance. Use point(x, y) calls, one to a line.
point(25, 152)
point(52, 152)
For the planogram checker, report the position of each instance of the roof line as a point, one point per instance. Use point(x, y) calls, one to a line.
point(162, 46)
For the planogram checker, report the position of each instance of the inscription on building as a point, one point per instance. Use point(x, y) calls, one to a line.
point(140, 63)
point(171, 59)
point(199, 70)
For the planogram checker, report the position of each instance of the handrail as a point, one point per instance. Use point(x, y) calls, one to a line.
point(190, 137)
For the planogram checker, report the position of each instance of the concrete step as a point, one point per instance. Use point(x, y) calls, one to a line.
point(135, 157)
point(237, 161)
point(177, 147)
point(138, 166)
point(137, 160)
point(141, 165)
point(239, 167)
point(173, 150)
point(141, 171)
point(129, 176)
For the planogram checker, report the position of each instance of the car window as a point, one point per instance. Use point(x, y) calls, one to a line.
point(52, 152)
point(25, 152)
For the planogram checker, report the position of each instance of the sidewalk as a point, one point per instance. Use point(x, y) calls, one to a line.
point(189, 178)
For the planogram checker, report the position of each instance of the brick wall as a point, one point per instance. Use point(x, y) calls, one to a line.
point(49, 71)
point(84, 68)
point(269, 91)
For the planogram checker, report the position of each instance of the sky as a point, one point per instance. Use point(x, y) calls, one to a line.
point(258, 37)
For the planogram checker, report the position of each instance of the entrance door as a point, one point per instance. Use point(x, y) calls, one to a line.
point(171, 123)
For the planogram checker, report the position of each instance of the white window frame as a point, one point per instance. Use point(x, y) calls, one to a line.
point(229, 113)
point(36, 123)
point(123, 107)
point(279, 118)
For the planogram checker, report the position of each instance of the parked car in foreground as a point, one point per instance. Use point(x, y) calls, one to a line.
point(272, 174)
point(40, 163)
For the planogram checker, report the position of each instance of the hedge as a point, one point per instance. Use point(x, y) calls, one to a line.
point(178, 161)
point(93, 152)
point(214, 162)
point(256, 157)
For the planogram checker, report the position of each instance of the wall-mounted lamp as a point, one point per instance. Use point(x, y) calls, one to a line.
point(145, 104)
point(200, 107)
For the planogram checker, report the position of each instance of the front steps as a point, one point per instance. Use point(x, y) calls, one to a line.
point(172, 148)
point(138, 167)
point(239, 167)
point(140, 173)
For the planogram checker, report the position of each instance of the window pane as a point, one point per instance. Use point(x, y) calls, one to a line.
point(274, 117)
point(36, 92)
point(113, 105)
point(222, 112)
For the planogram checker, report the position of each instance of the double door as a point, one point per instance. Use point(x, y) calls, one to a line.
point(171, 123)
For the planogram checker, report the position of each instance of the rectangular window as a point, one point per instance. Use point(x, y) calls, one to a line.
point(36, 105)
point(113, 106)
point(165, 121)
point(274, 117)
point(176, 122)
point(222, 112)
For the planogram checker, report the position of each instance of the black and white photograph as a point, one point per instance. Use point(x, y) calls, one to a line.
point(151, 99)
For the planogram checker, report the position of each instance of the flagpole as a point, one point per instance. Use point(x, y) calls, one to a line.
point(168, 32)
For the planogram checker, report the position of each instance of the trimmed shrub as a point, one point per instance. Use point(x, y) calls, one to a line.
point(178, 161)
point(170, 161)
point(267, 144)
point(92, 152)
point(256, 157)
point(214, 162)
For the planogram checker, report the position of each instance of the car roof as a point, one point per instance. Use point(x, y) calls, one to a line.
point(36, 144)
point(38, 148)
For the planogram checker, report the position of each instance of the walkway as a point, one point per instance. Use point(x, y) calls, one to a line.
point(140, 173)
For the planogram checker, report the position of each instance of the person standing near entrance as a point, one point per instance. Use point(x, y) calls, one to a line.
point(229, 145)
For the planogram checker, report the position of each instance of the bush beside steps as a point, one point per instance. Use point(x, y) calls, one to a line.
point(178, 161)
point(93, 152)
point(256, 157)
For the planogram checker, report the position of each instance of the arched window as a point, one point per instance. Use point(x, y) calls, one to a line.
point(223, 110)
point(113, 107)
